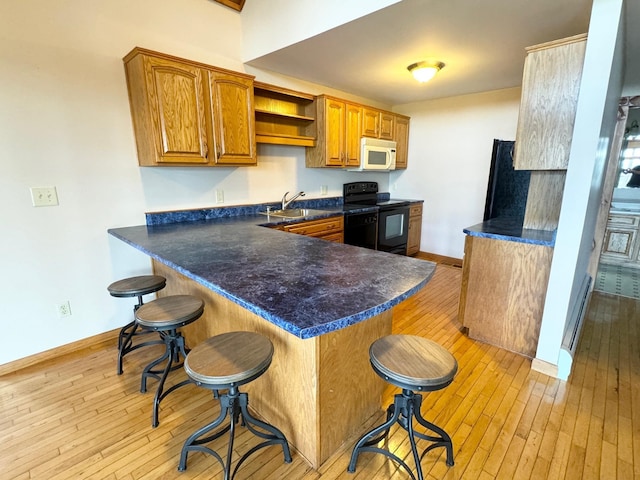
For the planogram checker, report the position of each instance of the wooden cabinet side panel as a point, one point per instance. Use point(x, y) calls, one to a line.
point(348, 387)
point(466, 267)
point(505, 293)
point(550, 87)
point(544, 199)
point(140, 111)
point(315, 156)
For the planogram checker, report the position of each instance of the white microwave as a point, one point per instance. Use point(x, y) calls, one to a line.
point(376, 155)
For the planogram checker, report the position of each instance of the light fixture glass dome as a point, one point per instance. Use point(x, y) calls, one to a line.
point(425, 71)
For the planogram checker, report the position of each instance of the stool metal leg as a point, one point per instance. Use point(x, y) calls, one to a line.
point(125, 338)
point(175, 348)
point(233, 404)
point(405, 409)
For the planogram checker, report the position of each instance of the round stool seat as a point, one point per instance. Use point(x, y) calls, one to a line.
point(170, 311)
point(137, 286)
point(412, 362)
point(233, 358)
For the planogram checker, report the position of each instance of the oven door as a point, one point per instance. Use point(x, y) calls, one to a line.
point(361, 229)
point(393, 225)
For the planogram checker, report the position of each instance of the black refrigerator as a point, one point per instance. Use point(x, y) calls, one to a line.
point(508, 188)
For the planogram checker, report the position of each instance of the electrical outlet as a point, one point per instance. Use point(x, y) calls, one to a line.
point(219, 196)
point(44, 196)
point(323, 189)
point(64, 309)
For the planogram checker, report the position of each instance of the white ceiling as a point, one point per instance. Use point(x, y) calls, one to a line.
point(482, 44)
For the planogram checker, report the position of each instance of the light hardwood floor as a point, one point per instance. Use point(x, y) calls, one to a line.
point(74, 418)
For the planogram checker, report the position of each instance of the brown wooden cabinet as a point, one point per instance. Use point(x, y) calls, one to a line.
point(283, 116)
point(401, 137)
point(338, 126)
point(341, 124)
point(414, 232)
point(331, 229)
point(550, 87)
point(187, 113)
point(377, 123)
point(504, 286)
point(233, 120)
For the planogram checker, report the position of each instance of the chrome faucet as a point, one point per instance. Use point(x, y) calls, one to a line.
point(286, 203)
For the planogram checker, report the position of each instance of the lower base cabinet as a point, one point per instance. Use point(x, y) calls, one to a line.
point(415, 228)
point(504, 286)
point(621, 244)
point(331, 229)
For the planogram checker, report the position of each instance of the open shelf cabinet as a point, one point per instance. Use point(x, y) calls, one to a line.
point(283, 116)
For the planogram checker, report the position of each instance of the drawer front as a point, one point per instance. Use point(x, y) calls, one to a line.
point(624, 220)
point(334, 237)
point(317, 228)
point(415, 210)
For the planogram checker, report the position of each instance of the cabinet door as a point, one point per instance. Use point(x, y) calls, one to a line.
point(414, 233)
point(370, 123)
point(386, 126)
point(550, 87)
point(334, 131)
point(401, 137)
point(352, 135)
point(619, 243)
point(233, 119)
point(176, 101)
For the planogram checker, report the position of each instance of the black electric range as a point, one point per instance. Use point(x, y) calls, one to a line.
point(384, 228)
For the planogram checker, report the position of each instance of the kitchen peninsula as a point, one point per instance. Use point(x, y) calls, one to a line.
point(504, 283)
point(321, 303)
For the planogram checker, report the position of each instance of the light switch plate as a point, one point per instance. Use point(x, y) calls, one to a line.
point(44, 196)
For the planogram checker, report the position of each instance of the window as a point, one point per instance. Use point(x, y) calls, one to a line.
point(629, 154)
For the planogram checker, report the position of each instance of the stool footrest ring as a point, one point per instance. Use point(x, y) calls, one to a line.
point(233, 404)
point(404, 410)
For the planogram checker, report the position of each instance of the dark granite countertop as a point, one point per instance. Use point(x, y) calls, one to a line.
point(510, 229)
point(305, 285)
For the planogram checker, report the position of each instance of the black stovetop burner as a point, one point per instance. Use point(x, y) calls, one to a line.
point(366, 193)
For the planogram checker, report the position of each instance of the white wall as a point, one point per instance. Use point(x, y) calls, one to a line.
point(450, 147)
point(291, 21)
point(65, 122)
point(600, 90)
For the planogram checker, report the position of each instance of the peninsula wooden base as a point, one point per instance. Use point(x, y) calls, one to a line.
point(318, 391)
point(504, 285)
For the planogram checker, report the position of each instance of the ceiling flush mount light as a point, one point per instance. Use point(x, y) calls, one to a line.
point(425, 71)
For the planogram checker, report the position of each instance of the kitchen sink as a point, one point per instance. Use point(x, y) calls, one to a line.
point(294, 212)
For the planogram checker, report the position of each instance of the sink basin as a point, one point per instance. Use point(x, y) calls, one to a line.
point(294, 212)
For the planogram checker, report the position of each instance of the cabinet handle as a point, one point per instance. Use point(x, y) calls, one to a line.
point(217, 153)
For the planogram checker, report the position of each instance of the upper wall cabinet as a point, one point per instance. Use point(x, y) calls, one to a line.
point(377, 124)
point(341, 124)
point(186, 113)
point(550, 86)
point(283, 116)
point(401, 136)
point(338, 144)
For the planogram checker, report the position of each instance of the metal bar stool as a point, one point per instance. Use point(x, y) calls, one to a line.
point(222, 362)
point(413, 364)
point(166, 315)
point(134, 287)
